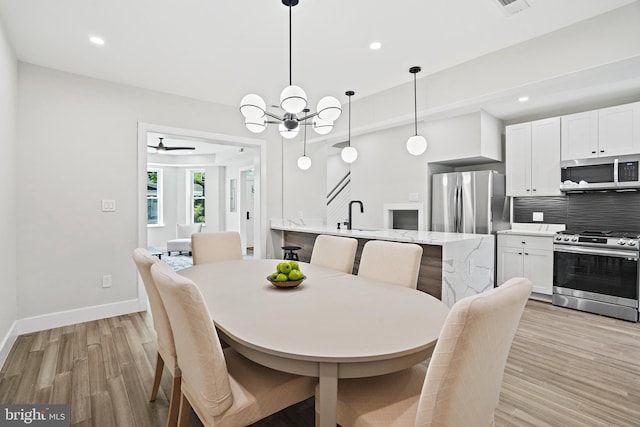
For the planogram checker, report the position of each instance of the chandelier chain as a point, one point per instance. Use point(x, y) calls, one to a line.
point(290, 78)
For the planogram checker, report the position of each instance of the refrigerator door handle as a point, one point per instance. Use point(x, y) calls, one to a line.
point(456, 211)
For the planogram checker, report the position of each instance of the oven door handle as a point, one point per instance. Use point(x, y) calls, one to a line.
point(593, 251)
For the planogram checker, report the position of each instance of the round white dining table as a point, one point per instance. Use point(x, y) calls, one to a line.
point(334, 325)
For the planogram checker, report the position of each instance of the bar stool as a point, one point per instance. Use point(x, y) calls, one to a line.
point(291, 252)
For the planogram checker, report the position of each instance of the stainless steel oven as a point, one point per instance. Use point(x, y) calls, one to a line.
point(597, 272)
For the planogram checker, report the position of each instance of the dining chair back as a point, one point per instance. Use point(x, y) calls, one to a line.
point(461, 386)
point(166, 349)
point(222, 387)
point(216, 247)
point(337, 253)
point(392, 262)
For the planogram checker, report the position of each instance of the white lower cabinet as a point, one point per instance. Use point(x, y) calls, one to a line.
point(526, 256)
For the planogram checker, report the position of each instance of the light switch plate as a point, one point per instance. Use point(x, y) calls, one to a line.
point(414, 197)
point(108, 206)
point(538, 216)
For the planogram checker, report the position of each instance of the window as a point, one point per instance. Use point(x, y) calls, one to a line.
point(197, 196)
point(154, 196)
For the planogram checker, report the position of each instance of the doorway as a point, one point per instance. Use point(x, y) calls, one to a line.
point(224, 218)
point(247, 209)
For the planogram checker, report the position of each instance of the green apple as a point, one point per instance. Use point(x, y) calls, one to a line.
point(284, 268)
point(282, 278)
point(294, 265)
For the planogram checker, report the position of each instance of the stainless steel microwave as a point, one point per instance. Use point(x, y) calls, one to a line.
point(602, 173)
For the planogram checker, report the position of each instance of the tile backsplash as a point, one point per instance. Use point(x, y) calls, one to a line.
point(594, 210)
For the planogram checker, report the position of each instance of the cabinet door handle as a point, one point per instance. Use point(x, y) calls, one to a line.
point(534, 189)
point(526, 253)
point(593, 152)
point(519, 253)
point(602, 151)
point(528, 189)
point(524, 243)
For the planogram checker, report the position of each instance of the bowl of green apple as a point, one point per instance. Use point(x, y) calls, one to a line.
point(287, 275)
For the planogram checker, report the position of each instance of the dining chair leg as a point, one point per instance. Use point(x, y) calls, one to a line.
point(157, 378)
point(184, 412)
point(174, 402)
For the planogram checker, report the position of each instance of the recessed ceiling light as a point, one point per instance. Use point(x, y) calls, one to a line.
point(96, 40)
point(523, 99)
point(375, 45)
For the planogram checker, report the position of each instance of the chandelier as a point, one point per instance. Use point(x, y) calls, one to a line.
point(293, 100)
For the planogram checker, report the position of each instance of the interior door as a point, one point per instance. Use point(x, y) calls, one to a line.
point(248, 191)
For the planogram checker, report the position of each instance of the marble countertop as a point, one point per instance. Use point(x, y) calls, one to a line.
point(542, 230)
point(413, 236)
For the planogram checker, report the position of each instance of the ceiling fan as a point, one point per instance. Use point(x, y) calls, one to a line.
point(162, 147)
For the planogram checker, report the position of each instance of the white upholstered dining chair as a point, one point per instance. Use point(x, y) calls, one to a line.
point(216, 247)
point(222, 387)
point(166, 353)
point(337, 253)
point(392, 262)
point(461, 386)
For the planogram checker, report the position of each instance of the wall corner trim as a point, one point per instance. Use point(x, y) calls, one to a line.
point(7, 343)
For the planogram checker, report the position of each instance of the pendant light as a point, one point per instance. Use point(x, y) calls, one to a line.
point(416, 144)
point(304, 162)
point(293, 102)
point(349, 154)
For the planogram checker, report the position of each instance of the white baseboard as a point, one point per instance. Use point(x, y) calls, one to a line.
point(86, 314)
point(7, 343)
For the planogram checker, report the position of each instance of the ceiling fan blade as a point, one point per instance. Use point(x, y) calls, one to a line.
point(179, 148)
point(151, 146)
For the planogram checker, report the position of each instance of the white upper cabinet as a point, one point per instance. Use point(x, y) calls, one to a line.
point(613, 131)
point(619, 130)
point(533, 158)
point(580, 136)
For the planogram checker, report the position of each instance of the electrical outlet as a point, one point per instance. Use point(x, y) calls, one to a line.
point(106, 281)
point(538, 216)
point(108, 206)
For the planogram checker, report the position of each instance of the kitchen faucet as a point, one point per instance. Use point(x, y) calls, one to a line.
point(349, 222)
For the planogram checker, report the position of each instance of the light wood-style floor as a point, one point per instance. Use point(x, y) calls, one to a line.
point(566, 368)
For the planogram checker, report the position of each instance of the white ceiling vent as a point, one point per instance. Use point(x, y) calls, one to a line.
point(509, 7)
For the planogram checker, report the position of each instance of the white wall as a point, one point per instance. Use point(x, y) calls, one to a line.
point(78, 145)
point(385, 172)
point(305, 191)
point(8, 185)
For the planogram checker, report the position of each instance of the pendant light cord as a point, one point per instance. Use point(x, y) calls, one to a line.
point(349, 120)
point(290, 78)
point(304, 149)
point(415, 103)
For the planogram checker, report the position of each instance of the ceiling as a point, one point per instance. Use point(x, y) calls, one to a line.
point(219, 51)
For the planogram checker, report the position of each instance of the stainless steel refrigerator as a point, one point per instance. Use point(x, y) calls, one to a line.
point(469, 202)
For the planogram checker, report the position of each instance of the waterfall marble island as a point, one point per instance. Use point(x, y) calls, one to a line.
point(454, 265)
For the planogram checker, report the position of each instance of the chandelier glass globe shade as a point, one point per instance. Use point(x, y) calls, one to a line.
point(293, 99)
point(329, 108)
point(322, 127)
point(288, 133)
point(304, 162)
point(252, 106)
point(256, 125)
point(349, 154)
point(416, 145)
